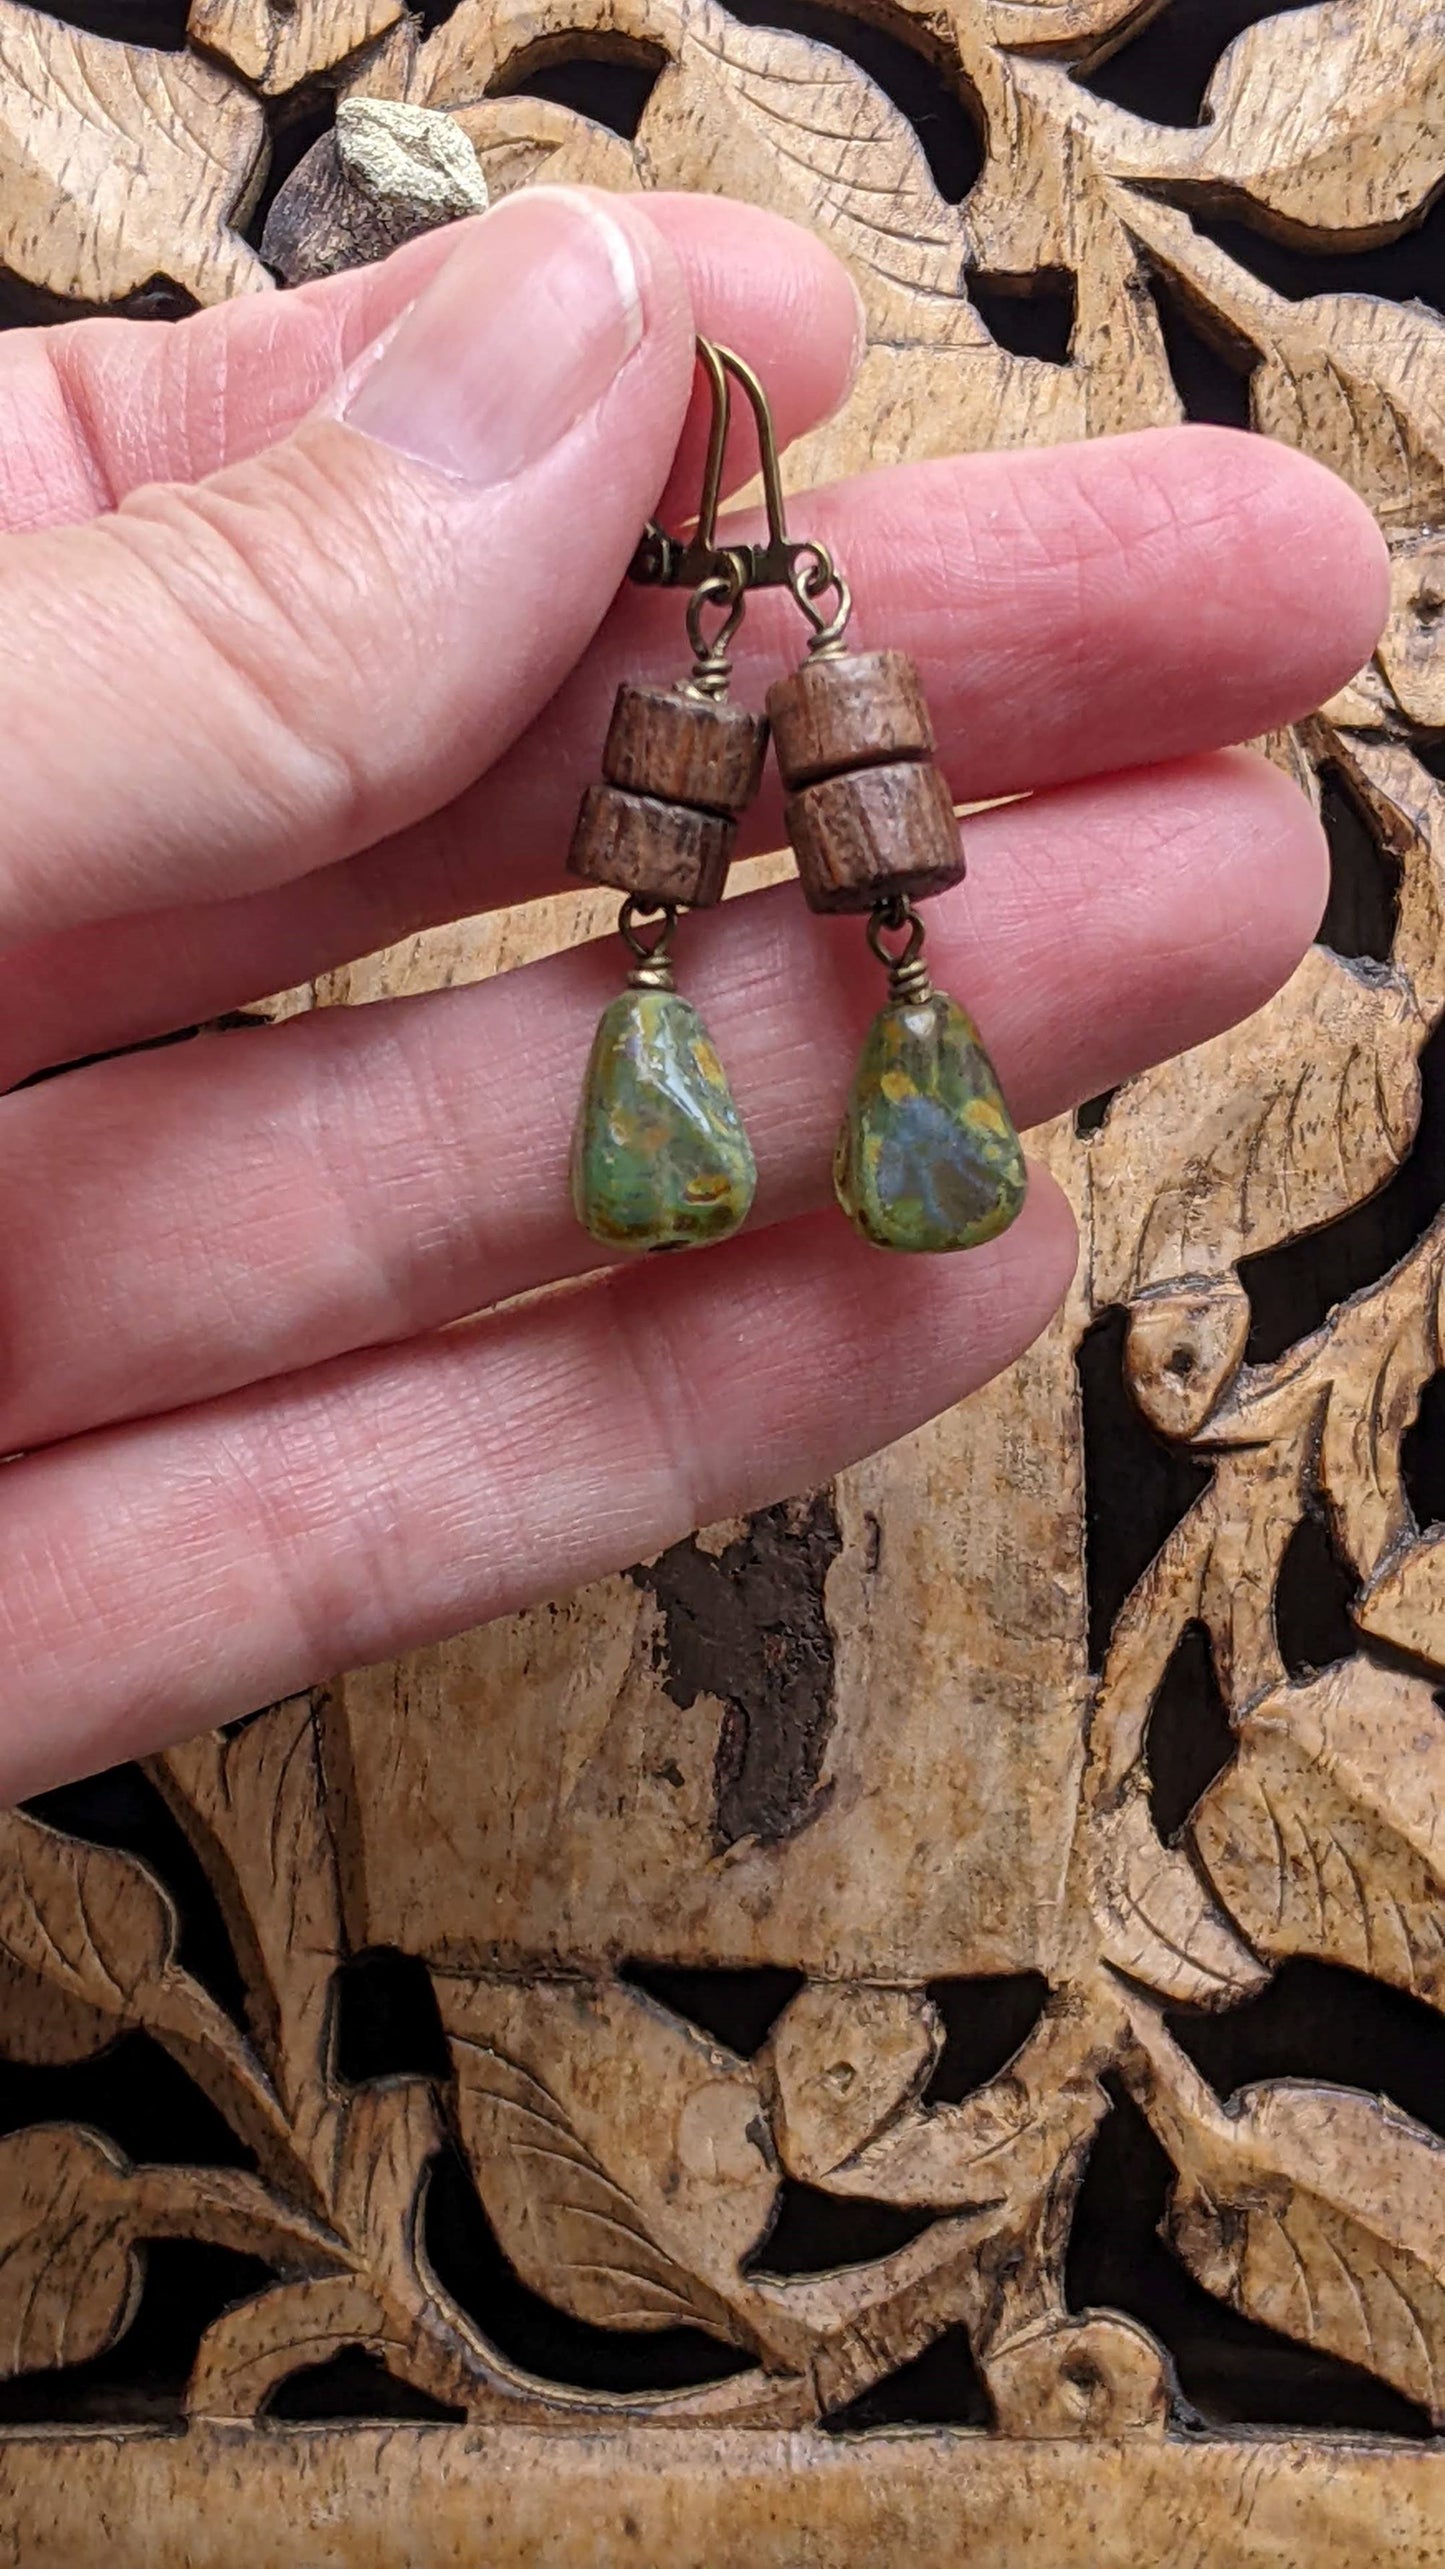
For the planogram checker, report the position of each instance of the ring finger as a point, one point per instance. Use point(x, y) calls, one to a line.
point(176, 1226)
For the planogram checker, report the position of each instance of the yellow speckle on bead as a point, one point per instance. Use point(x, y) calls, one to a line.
point(986, 1117)
point(896, 1085)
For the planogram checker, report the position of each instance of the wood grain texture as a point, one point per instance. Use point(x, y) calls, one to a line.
point(860, 709)
point(653, 851)
point(880, 832)
point(407, 2497)
point(899, 1747)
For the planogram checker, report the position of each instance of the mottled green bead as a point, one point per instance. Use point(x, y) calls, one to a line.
point(927, 1157)
point(659, 1157)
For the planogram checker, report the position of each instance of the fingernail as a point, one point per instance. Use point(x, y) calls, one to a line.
point(518, 335)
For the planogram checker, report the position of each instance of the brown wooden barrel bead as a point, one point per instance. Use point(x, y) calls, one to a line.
point(864, 709)
point(656, 851)
point(880, 831)
point(696, 750)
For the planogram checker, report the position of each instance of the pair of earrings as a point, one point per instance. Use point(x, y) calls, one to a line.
point(927, 1156)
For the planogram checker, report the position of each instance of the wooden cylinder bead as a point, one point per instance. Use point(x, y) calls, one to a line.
point(881, 831)
point(864, 709)
point(697, 750)
point(656, 851)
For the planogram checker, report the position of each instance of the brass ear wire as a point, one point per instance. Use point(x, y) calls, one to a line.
point(802, 566)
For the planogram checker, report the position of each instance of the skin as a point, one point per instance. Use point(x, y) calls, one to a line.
point(272, 695)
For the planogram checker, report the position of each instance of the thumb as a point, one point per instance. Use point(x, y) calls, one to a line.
point(223, 685)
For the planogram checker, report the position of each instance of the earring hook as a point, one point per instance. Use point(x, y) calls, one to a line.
point(805, 568)
point(674, 562)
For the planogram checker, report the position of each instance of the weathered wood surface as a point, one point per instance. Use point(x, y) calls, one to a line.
point(433, 2498)
point(867, 1741)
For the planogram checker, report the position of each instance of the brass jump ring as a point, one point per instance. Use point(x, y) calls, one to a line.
point(660, 916)
point(812, 574)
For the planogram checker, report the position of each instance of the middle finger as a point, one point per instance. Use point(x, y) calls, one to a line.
point(177, 1225)
point(1073, 610)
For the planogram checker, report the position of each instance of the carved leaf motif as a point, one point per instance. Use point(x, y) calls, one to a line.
point(622, 2157)
point(1356, 382)
point(1360, 385)
point(69, 2280)
point(1405, 1604)
point(83, 1931)
point(796, 125)
point(1191, 1171)
point(1080, 29)
point(1314, 2210)
point(253, 1805)
point(276, 44)
point(118, 165)
point(1326, 1836)
point(250, 2351)
point(87, 1949)
point(1157, 1922)
point(1363, 136)
point(518, 140)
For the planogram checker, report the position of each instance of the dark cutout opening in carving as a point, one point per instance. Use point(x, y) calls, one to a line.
point(1422, 1456)
point(1164, 71)
point(123, 1808)
point(1189, 1740)
point(159, 23)
point(1211, 376)
point(141, 2380)
point(596, 72)
point(1312, 1599)
point(985, 2021)
point(133, 2093)
point(24, 306)
point(1292, 1288)
point(941, 2387)
point(470, 2264)
point(816, 2233)
point(1410, 269)
point(1363, 909)
point(1136, 1487)
point(1091, 1116)
point(356, 2384)
point(736, 2008)
point(387, 2023)
point(1033, 316)
point(1317, 2020)
point(892, 48)
point(1230, 2371)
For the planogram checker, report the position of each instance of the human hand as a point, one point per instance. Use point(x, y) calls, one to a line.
point(284, 683)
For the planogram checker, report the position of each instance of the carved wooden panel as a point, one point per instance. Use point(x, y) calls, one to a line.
point(966, 1948)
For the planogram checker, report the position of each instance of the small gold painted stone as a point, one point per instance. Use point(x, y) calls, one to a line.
point(656, 851)
point(660, 1159)
point(927, 1155)
point(864, 709)
point(882, 831)
point(697, 750)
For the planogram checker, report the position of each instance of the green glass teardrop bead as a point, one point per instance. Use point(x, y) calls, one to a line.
point(659, 1156)
point(927, 1157)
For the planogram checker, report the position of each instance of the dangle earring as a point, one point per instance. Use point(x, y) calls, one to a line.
point(927, 1156)
point(660, 1159)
